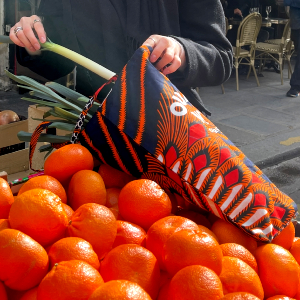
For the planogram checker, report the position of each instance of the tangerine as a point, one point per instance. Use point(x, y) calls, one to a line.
point(143, 202)
point(238, 251)
point(278, 270)
point(4, 224)
point(195, 282)
point(237, 276)
point(68, 210)
point(112, 197)
point(280, 297)
point(239, 296)
point(3, 294)
point(72, 279)
point(23, 261)
point(134, 263)
point(39, 213)
point(73, 248)
point(208, 231)
point(114, 178)
point(6, 198)
point(30, 295)
point(161, 230)
point(186, 247)
point(195, 216)
point(64, 162)
point(286, 237)
point(129, 233)
point(164, 290)
point(86, 186)
point(120, 290)
point(228, 233)
point(115, 210)
point(47, 183)
point(96, 224)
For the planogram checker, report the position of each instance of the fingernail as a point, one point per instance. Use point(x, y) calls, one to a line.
point(37, 46)
point(32, 49)
point(43, 39)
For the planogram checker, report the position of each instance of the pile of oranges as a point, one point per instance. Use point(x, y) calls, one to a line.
point(84, 232)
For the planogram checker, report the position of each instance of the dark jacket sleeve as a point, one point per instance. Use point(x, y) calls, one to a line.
point(49, 65)
point(208, 51)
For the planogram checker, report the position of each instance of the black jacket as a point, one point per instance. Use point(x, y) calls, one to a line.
point(109, 31)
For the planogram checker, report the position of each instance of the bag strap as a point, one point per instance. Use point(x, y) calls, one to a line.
point(44, 125)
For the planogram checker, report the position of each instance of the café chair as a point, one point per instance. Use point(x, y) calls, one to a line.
point(244, 51)
point(277, 50)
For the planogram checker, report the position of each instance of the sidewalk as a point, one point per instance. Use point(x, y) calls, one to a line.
point(261, 121)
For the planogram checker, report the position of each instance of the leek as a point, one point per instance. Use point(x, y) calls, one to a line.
point(79, 59)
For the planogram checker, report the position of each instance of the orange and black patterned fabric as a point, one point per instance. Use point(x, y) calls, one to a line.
point(147, 128)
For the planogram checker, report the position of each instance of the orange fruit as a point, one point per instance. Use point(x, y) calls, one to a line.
point(237, 276)
point(114, 178)
point(112, 197)
point(3, 294)
point(115, 210)
point(208, 231)
point(280, 297)
point(134, 263)
point(6, 198)
point(295, 250)
point(286, 237)
point(239, 296)
point(164, 291)
point(72, 279)
point(228, 233)
point(161, 230)
point(14, 294)
point(73, 248)
point(30, 295)
point(4, 224)
point(68, 210)
point(195, 282)
point(195, 216)
point(47, 183)
point(23, 262)
point(64, 162)
point(278, 270)
point(39, 213)
point(143, 202)
point(86, 186)
point(186, 247)
point(238, 251)
point(120, 290)
point(96, 224)
point(129, 233)
point(173, 202)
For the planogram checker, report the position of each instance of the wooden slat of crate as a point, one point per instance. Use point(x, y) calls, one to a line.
point(14, 162)
point(8, 133)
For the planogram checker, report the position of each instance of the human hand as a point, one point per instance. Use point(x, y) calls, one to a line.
point(22, 33)
point(168, 54)
point(237, 12)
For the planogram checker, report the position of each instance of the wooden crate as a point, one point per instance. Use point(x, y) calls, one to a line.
point(16, 161)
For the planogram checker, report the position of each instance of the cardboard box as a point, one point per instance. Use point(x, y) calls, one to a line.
point(38, 158)
point(14, 161)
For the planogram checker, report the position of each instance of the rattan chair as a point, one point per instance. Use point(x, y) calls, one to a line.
point(278, 50)
point(246, 36)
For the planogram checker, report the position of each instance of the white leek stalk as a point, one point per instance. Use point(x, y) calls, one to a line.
point(79, 59)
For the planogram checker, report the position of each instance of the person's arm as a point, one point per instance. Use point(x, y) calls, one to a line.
point(208, 52)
